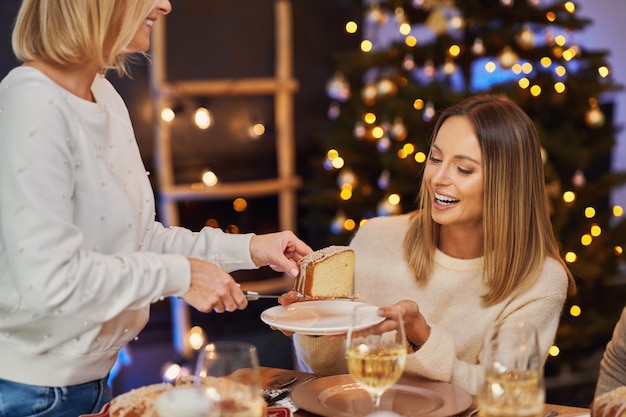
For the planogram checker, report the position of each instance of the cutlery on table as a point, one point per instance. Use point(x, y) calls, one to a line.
point(281, 390)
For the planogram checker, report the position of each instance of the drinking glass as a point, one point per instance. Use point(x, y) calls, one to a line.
point(375, 358)
point(228, 373)
point(513, 384)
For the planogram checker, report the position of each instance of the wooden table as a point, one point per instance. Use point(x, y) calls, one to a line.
point(271, 375)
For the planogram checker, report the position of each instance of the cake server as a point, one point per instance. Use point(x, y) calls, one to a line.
point(253, 296)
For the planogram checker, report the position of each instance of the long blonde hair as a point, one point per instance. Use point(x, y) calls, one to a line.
point(75, 32)
point(516, 222)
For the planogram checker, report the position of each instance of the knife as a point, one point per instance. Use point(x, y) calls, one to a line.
point(253, 296)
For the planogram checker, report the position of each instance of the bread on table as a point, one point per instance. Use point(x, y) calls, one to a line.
point(327, 273)
point(139, 402)
point(610, 404)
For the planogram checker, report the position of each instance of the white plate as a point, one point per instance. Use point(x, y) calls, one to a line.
point(315, 318)
point(411, 396)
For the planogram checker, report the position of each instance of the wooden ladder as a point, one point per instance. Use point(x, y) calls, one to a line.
point(282, 86)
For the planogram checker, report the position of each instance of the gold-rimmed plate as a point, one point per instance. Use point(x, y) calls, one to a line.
point(411, 396)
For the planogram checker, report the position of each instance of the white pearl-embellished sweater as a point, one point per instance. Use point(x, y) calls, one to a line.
point(81, 255)
point(450, 302)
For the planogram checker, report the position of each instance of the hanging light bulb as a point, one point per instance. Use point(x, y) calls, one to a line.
point(202, 118)
point(168, 115)
point(209, 178)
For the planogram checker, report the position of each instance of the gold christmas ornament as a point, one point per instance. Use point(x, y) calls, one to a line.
point(398, 130)
point(359, 131)
point(478, 47)
point(338, 87)
point(429, 69)
point(346, 177)
point(408, 63)
point(526, 38)
point(429, 112)
point(579, 180)
point(437, 21)
point(594, 118)
point(369, 93)
point(386, 88)
point(387, 208)
point(508, 58)
point(429, 4)
point(449, 67)
point(376, 14)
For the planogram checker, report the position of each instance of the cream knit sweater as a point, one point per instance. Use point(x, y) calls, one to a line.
point(81, 255)
point(613, 365)
point(450, 302)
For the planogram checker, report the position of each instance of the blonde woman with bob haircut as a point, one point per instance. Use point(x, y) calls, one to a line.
point(479, 250)
point(81, 256)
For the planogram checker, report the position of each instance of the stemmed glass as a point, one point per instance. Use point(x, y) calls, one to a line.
point(375, 357)
point(228, 373)
point(513, 384)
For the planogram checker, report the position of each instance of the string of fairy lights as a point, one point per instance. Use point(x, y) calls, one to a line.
point(506, 64)
point(203, 119)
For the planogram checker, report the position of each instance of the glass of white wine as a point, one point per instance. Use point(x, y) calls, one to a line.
point(376, 354)
point(513, 384)
point(228, 373)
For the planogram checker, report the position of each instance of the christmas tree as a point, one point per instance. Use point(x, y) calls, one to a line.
point(417, 57)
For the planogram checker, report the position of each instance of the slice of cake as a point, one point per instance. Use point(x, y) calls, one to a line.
point(327, 273)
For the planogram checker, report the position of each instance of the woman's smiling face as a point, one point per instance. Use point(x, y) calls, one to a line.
point(141, 40)
point(454, 175)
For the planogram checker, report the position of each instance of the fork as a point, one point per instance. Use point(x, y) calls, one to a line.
point(283, 390)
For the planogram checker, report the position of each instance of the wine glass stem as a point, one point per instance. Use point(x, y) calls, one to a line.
point(376, 400)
